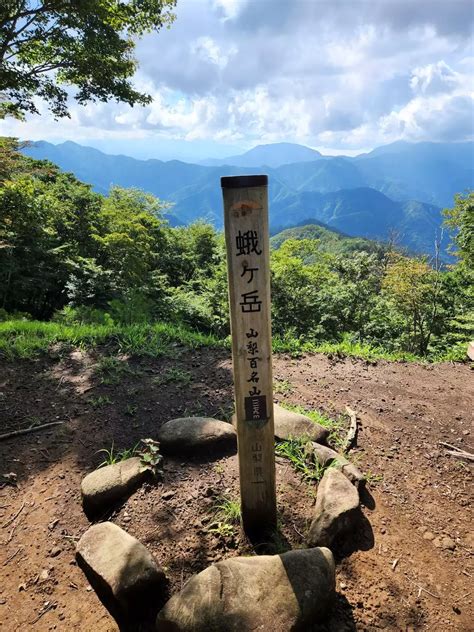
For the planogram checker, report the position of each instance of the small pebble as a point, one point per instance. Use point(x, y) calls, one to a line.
point(167, 495)
point(447, 544)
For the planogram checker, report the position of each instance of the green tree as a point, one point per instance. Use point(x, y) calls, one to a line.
point(356, 295)
point(460, 219)
point(133, 237)
point(47, 224)
point(49, 45)
point(301, 296)
point(416, 290)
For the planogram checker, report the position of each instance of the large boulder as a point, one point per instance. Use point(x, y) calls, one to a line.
point(103, 487)
point(337, 509)
point(117, 565)
point(289, 424)
point(269, 592)
point(325, 457)
point(190, 435)
point(470, 350)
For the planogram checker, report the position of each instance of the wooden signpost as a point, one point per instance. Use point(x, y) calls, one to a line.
point(247, 241)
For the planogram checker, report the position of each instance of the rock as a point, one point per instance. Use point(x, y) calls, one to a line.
point(117, 565)
point(337, 508)
point(327, 456)
point(289, 424)
point(470, 350)
point(447, 544)
point(105, 486)
point(188, 435)
point(428, 535)
point(168, 495)
point(278, 592)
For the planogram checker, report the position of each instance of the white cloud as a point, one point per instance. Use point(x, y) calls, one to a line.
point(207, 50)
point(338, 75)
point(229, 8)
point(435, 78)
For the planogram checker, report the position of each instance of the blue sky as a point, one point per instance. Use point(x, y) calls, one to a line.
point(340, 76)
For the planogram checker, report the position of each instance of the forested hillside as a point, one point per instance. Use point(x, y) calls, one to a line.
point(400, 188)
point(72, 255)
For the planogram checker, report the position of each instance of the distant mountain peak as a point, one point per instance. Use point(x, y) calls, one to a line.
point(269, 155)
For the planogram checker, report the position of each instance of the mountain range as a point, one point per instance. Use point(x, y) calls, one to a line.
point(395, 189)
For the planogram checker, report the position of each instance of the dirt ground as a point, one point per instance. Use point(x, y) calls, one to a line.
point(410, 570)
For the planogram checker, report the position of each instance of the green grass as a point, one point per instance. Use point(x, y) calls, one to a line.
point(283, 387)
point(111, 457)
point(228, 509)
point(99, 402)
point(226, 517)
point(337, 427)
point(345, 348)
point(372, 478)
point(174, 374)
point(294, 450)
point(112, 369)
point(27, 339)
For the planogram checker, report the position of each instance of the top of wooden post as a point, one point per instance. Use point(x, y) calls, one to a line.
point(243, 182)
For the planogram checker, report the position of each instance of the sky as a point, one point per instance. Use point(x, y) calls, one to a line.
point(341, 76)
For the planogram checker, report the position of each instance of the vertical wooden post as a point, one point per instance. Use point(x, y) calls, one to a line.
point(248, 259)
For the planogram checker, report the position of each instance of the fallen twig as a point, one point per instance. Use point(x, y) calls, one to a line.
point(351, 437)
point(46, 609)
point(448, 445)
point(74, 538)
point(460, 455)
point(9, 559)
point(457, 452)
point(14, 517)
point(451, 447)
point(423, 589)
point(10, 537)
point(298, 532)
point(15, 433)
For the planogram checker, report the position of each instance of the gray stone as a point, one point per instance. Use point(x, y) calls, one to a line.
point(188, 435)
point(470, 350)
point(289, 424)
point(448, 544)
point(103, 487)
point(327, 456)
point(117, 565)
point(269, 592)
point(337, 508)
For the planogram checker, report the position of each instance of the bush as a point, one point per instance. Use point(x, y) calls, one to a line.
point(83, 315)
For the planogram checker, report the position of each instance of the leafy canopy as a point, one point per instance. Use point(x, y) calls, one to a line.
point(76, 256)
point(460, 219)
point(47, 46)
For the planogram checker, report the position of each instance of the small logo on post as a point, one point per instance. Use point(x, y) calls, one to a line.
point(256, 408)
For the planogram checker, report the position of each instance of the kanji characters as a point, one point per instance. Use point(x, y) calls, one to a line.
point(251, 302)
point(247, 243)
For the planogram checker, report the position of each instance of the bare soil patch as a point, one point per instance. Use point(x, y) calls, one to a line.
point(401, 573)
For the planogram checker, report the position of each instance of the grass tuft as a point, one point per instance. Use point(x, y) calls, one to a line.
point(294, 450)
point(345, 348)
point(112, 457)
point(175, 374)
point(28, 339)
point(226, 517)
point(337, 427)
